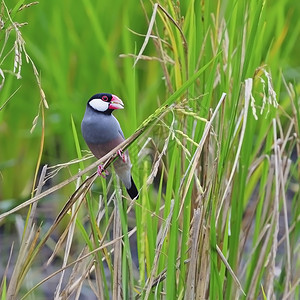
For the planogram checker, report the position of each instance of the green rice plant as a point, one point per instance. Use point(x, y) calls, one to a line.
point(213, 124)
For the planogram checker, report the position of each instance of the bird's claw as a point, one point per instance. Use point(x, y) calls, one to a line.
point(102, 172)
point(122, 155)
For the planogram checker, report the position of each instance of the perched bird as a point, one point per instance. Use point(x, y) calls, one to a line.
point(102, 132)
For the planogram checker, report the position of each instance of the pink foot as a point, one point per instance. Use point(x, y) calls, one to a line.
point(101, 172)
point(122, 155)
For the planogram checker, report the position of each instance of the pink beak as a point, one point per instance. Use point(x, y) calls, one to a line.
point(116, 103)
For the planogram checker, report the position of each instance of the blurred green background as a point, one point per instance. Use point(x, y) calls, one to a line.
point(76, 48)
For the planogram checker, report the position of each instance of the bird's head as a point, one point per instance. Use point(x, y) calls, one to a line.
point(105, 103)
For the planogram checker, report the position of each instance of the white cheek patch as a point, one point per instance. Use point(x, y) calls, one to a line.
point(99, 105)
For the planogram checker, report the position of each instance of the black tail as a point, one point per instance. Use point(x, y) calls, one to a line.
point(132, 191)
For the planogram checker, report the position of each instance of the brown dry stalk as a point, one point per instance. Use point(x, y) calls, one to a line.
point(76, 261)
point(192, 275)
point(161, 239)
point(28, 243)
point(248, 90)
point(117, 274)
point(194, 161)
point(269, 286)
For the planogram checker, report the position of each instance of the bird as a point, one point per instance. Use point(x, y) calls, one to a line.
point(102, 132)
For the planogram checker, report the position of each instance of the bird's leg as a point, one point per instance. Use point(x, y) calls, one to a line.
point(101, 171)
point(122, 155)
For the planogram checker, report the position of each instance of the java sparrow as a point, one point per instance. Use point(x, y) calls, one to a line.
point(102, 132)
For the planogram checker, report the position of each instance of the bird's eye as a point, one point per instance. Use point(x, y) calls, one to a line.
point(104, 98)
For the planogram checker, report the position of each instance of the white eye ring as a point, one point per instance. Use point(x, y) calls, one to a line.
point(99, 104)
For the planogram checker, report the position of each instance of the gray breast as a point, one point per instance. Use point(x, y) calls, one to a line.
point(98, 128)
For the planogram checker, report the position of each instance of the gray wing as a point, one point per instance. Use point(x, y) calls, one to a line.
point(121, 133)
point(119, 129)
